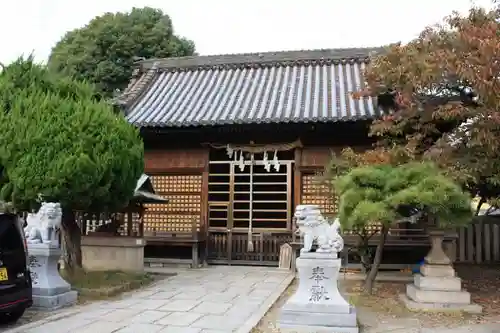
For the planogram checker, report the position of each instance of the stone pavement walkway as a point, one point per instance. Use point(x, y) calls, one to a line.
point(218, 299)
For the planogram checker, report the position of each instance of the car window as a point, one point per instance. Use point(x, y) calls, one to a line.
point(9, 236)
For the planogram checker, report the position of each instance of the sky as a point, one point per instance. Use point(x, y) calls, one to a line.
point(233, 26)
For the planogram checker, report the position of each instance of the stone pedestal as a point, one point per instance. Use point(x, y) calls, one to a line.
point(102, 253)
point(437, 287)
point(50, 290)
point(317, 305)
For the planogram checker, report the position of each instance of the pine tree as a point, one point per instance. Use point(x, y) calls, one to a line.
point(383, 193)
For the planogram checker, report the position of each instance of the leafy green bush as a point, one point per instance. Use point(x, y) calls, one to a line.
point(58, 140)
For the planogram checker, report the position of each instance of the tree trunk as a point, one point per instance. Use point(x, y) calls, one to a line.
point(72, 238)
point(377, 259)
point(480, 204)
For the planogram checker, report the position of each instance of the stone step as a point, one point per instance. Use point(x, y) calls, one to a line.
point(324, 319)
point(167, 263)
point(441, 307)
point(437, 270)
point(285, 328)
point(437, 296)
point(444, 283)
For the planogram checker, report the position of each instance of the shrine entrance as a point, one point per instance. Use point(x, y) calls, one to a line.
point(250, 205)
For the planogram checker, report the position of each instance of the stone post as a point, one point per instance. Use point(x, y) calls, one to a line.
point(317, 305)
point(50, 290)
point(437, 287)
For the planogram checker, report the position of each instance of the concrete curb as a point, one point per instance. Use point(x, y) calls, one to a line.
point(256, 317)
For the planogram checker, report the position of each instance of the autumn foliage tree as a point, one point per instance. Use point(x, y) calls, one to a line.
point(440, 95)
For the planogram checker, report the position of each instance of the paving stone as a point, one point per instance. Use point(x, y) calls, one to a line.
point(144, 294)
point(242, 283)
point(100, 326)
point(239, 290)
point(218, 322)
point(215, 287)
point(266, 286)
point(248, 304)
point(190, 295)
point(149, 316)
point(179, 319)
point(275, 279)
point(179, 305)
point(222, 297)
point(164, 295)
point(60, 326)
point(179, 329)
point(97, 313)
point(260, 293)
point(212, 307)
point(139, 328)
point(120, 315)
point(237, 313)
point(149, 304)
point(121, 304)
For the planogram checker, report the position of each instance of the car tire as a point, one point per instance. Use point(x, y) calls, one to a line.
point(11, 317)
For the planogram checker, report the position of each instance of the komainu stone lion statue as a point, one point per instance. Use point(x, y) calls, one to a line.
point(43, 225)
point(313, 227)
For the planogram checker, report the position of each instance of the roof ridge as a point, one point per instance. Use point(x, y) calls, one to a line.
point(137, 85)
point(270, 57)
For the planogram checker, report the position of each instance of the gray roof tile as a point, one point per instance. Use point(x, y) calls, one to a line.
point(298, 86)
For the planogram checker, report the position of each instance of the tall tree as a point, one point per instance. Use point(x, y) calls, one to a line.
point(58, 141)
point(103, 52)
point(440, 94)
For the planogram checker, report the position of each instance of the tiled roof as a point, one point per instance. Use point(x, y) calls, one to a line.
point(295, 86)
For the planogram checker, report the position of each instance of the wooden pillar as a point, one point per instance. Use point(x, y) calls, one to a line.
point(297, 178)
point(130, 222)
point(204, 213)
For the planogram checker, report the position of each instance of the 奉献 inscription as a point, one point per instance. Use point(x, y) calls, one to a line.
point(318, 291)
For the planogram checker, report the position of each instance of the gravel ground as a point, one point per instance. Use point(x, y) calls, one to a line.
point(383, 309)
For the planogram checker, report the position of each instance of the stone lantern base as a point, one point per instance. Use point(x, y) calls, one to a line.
point(437, 287)
point(50, 290)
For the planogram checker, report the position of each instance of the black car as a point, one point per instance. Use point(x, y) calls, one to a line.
point(15, 278)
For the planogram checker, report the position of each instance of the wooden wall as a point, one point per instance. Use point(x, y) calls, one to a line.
point(310, 161)
point(168, 161)
point(182, 177)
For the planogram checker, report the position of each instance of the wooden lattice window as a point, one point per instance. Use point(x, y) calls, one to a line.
point(184, 206)
point(314, 192)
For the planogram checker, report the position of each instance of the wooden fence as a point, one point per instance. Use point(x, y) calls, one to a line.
point(129, 223)
point(479, 242)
